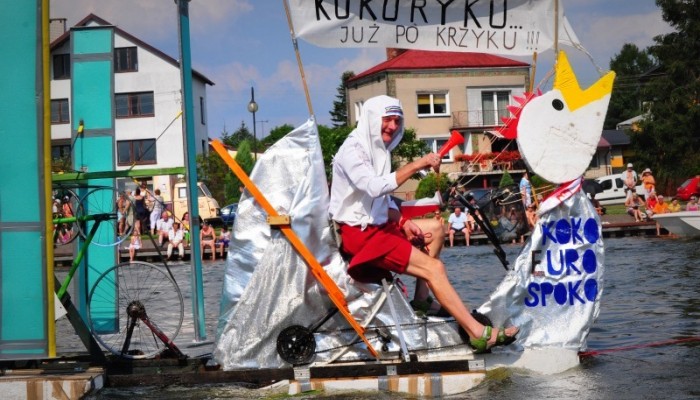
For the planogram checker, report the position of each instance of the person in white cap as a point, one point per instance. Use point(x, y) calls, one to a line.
point(372, 229)
point(648, 181)
point(629, 180)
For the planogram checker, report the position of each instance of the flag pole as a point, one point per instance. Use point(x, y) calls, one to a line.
point(296, 51)
point(556, 29)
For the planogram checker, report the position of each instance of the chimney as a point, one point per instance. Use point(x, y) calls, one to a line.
point(57, 27)
point(393, 52)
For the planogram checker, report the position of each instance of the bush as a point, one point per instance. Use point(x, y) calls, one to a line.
point(429, 185)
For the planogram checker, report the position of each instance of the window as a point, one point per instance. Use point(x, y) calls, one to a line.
point(61, 156)
point(60, 113)
point(61, 66)
point(494, 105)
point(125, 59)
point(134, 104)
point(434, 145)
point(432, 104)
point(202, 109)
point(136, 152)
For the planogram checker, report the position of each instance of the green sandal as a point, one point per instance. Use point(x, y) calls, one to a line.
point(481, 344)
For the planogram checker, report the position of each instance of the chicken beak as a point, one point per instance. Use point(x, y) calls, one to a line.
point(565, 81)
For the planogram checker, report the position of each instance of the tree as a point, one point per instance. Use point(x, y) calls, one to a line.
point(409, 149)
point(234, 140)
point(506, 180)
point(429, 185)
point(244, 158)
point(668, 140)
point(331, 139)
point(214, 172)
point(625, 101)
point(275, 134)
point(339, 114)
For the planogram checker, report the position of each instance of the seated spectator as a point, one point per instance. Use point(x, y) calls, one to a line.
point(692, 204)
point(599, 209)
point(186, 227)
point(163, 227)
point(531, 214)
point(675, 206)
point(207, 239)
point(224, 239)
point(661, 207)
point(634, 209)
point(175, 238)
point(457, 222)
point(650, 203)
point(135, 243)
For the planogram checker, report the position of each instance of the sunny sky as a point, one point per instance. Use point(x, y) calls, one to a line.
point(243, 43)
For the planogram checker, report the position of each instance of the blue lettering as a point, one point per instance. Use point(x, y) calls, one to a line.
point(573, 288)
point(590, 289)
point(591, 231)
point(560, 294)
point(532, 289)
point(547, 233)
point(563, 231)
point(550, 264)
point(575, 226)
point(590, 263)
point(547, 289)
point(571, 258)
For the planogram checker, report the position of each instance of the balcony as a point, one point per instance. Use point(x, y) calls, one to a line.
point(489, 162)
point(478, 118)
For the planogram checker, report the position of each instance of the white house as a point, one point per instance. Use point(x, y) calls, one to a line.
point(147, 102)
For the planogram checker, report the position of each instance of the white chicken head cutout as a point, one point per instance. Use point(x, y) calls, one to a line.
point(558, 132)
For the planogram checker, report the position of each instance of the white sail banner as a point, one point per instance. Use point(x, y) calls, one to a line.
point(505, 27)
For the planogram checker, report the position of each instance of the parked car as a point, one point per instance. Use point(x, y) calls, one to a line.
point(228, 213)
point(689, 188)
point(614, 191)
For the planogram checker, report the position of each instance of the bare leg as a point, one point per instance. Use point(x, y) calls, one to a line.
point(435, 239)
point(433, 272)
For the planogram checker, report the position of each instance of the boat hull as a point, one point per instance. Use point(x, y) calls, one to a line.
point(684, 223)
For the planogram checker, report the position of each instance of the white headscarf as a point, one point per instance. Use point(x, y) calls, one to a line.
point(369, 131)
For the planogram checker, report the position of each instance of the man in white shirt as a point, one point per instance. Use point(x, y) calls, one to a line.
point(175, 237)
point(457, 222)
point(163, 226)
point(370, 223)
point(629, 180)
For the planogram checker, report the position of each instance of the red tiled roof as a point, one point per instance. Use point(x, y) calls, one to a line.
point(423, 59)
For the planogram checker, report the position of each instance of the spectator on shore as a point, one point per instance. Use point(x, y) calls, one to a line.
point(648, 181)
point(692, 204)
point(457, 222)
point(207, 239)
point(175, 238)
point(650, 204)
point(525, 190)
point(531, 214)
point(661, 207)
point(675, 206)
point(163, 226)
point(634, 207)
point(629, 180)
point(135, 243)
point(157, 202)
point(224, 240)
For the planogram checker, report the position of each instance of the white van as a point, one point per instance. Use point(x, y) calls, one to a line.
point(209, 208)
point(613, 190)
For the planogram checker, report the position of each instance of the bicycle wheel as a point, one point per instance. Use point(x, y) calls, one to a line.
point(103, 200)
point(66, 205)
point(133, 307)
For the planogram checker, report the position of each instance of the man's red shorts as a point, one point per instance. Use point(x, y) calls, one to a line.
point(375, 251)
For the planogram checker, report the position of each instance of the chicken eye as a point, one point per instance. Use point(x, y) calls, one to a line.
point(557, 104)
